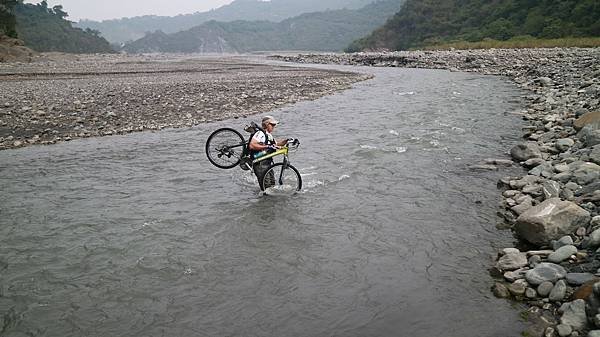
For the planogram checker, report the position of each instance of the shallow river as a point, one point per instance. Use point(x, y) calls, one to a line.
point(139, 235)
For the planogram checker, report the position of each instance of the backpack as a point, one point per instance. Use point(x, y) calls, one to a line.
point(247, 153)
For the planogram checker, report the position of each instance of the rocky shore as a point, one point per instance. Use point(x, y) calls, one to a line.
point(554, 207)
point(59, 97)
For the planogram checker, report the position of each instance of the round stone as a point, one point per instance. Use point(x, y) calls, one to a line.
point(545, 272)
point(545, 288)
point(562, 253)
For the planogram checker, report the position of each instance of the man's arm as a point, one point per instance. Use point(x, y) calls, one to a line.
point(256, 145)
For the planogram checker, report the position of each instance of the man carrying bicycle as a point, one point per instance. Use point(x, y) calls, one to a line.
point(262, 143)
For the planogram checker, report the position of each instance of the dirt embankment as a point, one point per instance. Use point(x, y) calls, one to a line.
point(14, 50)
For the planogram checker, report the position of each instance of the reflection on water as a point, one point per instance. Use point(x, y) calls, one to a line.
point(140, 235)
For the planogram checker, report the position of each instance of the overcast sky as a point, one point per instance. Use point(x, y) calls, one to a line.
point(115, 9)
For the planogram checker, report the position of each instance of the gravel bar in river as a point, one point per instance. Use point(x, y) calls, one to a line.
point(61, 97)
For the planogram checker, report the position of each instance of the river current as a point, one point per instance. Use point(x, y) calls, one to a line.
point(392, 235)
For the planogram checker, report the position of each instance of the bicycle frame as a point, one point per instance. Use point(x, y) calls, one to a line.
point(284, 151)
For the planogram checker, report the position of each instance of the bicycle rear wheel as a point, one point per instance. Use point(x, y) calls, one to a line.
point(224, 148)
point(280, 179)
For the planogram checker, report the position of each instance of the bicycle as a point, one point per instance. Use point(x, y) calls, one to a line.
point(226, 149)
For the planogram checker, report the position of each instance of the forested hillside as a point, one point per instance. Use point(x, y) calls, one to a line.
point(425, 22)
point(7, 18)
point(45, 29)
point(322, 31)
point(130, 29)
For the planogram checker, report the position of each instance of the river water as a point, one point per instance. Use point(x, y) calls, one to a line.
point(139, 235)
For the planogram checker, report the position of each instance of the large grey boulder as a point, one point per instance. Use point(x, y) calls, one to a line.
point(551, 220)
point(590, 135)
point(586, 173)
point(574, 315)
point(524, 151)
point(594, 155)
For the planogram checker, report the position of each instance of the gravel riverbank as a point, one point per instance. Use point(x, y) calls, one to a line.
point(554, 207)
point(59, 97)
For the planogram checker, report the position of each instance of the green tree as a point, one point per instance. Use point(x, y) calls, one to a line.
point(501, 29)
point(423, 21)
point(58, 10)
point(7, 18)
point(45, 29)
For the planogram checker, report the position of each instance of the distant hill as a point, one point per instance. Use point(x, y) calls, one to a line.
point(323, 31)
point(7, 18)
point(45, 29)
point(129, 29)
point(423, 22)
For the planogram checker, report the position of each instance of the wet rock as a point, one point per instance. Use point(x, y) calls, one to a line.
point(586, 173)
point(545, 288)
point(517, 288)
point(544, 170)
point(577, 279)
point(524, 151)
point(574, 315)
point(533, 162)
point(564, 144)
point(564, 330)
point(594, 238)
point(545, 271)
point(544, 81)
point(534, 261)
point(500, 290)
point(550, 220)
point(562, 253)
point(518, 274)
point(562, 167)
point(589, 136)
point(523, 206)
point(551, 189)
point(499, 162)
point(512, 261)
point(563, 241)
point(558, 292)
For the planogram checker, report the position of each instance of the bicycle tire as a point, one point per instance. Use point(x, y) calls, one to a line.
point(224, 148)
point(290, 182)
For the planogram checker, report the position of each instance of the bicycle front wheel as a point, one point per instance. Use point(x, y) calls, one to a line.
point(280, 179)
point(224, 148)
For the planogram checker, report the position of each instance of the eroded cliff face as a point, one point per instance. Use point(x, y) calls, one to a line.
point(14, 50)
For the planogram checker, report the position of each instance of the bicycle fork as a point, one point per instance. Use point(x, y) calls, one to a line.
point(283, 168)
